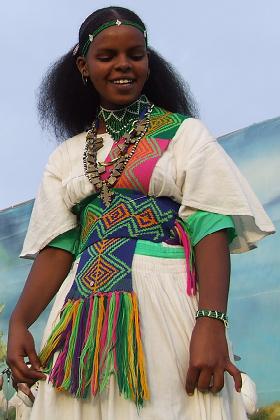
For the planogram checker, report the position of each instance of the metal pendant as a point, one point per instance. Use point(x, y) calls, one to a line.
point(106, 194)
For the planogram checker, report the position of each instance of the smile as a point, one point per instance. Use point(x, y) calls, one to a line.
point(122, 81)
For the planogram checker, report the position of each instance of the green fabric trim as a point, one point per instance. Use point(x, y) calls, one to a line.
point(153, 249)
point(202, 223)
point(68, 241)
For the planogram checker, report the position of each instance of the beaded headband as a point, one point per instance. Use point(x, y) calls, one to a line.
point(106, 25)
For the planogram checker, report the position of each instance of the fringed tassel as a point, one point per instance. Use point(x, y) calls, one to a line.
point(96, 337)
point(191, 278)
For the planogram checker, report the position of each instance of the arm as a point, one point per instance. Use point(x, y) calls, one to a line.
point(209, 356)
point(46, 276)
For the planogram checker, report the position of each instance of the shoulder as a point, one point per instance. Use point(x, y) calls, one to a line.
point(192, 136)
point(67, 151)
point(73, 143)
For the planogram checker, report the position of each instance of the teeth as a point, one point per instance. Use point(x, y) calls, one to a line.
point(122, 81)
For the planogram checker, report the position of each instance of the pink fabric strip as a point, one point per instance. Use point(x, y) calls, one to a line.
point(116, 316)
point(141, 165)
point(191, 280)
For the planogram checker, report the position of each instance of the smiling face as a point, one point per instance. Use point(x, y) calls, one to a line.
point(117, 65)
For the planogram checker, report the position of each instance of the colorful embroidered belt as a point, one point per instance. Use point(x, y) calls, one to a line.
point(99, 331)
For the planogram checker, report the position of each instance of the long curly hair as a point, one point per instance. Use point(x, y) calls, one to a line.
point(68, 107)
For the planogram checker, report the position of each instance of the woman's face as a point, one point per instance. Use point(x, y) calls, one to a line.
point(117, 65)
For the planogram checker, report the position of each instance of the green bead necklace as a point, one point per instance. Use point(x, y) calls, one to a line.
point(120, 121)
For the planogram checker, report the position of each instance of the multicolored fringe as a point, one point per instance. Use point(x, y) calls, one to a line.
point(190, 266)
point(95, 337)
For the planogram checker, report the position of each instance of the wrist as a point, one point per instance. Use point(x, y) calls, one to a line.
point(210, 323)
point(214, 315)
point(17, 319)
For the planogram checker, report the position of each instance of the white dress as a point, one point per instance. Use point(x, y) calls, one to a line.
point(195, 172)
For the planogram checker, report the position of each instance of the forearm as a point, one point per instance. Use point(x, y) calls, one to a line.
point(209, 356)
point(213, 271)
point(45, 278)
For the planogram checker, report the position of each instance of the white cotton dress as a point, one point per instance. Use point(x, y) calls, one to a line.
point(196, 172)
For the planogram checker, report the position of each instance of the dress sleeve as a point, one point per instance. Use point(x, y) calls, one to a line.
point(68, 241)
point(202, 223)
point(209, 180)
point(50, 215)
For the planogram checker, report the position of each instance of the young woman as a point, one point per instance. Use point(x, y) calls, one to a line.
point(137, 209)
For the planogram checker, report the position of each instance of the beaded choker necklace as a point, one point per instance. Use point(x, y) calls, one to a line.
point(120, 121)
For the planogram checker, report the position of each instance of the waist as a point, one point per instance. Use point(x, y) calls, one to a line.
point(160, 250)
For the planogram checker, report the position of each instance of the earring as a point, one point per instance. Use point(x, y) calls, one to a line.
point(84, 79)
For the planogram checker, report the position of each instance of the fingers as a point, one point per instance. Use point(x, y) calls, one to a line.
point(204, 380)
point(34, 360)
point(235, 373)
point(191, 381)
point(218, 381)
point(22, 373)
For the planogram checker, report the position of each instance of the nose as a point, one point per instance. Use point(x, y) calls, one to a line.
point(123, 63)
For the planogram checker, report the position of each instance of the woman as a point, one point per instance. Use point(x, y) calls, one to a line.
point(138, 177)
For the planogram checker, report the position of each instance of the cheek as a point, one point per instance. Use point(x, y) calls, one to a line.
point(143, 70)
point(98, 72)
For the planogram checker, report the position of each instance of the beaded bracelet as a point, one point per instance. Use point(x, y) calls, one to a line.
point(221, 316)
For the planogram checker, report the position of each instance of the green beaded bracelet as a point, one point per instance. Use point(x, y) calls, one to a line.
point(221, 316)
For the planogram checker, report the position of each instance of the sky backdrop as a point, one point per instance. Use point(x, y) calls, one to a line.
point(228, 51)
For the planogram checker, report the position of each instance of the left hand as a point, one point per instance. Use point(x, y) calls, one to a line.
point(209, 358)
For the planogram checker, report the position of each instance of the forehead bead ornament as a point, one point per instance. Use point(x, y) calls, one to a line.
point(94, 169)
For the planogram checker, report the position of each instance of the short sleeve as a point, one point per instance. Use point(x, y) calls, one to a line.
point(208, 180)
point(68, 241)
point(50, 216)
point(202, 223)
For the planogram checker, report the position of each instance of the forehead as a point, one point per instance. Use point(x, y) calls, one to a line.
point(117, 37)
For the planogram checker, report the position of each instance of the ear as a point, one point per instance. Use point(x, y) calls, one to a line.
point(82, 66)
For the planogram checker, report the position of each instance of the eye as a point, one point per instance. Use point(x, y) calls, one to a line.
point(104, 58)
point(137, 57)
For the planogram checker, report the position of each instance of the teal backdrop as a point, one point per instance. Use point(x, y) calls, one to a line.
point(255, 291)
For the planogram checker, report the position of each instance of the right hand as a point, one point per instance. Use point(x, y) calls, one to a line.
point(21, 345)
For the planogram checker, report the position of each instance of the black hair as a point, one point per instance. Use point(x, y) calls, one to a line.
point(68, 106)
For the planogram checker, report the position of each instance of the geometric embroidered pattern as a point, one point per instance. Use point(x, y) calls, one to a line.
point(138, 171)
point(109, 236)
point(131, 214)
point(164, 124)
point(105, 265)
